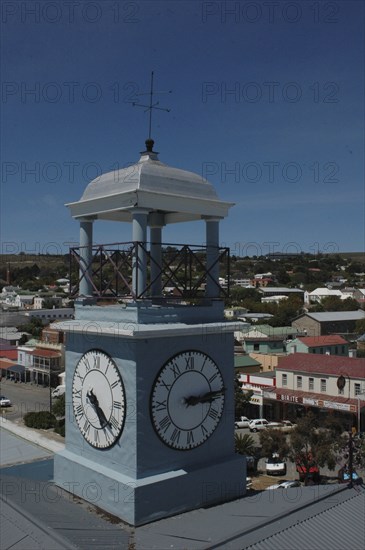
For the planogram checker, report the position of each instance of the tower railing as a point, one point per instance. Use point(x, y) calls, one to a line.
point(180, 274)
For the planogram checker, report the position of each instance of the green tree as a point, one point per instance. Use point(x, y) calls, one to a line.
point(59, 406)
point(241, 398)
point(273, 441)
point(309, 442)
point(360, 326)
point(244, 444)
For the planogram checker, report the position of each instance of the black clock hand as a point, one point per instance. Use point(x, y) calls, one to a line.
point(99, 411)
point(206, 398)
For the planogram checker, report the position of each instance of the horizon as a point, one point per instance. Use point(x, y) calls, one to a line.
point(266, 103)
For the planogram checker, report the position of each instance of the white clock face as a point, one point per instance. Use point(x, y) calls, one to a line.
point(187, 400)
point(98, 399)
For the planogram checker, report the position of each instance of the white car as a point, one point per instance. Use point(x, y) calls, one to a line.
point(4, 401)
point(285, 484)
point(242, 422)
point(258, 424)
point(287, 425)
point(275, 465)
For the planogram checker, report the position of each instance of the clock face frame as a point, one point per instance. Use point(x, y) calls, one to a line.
point(187, 400)
point(98, 399)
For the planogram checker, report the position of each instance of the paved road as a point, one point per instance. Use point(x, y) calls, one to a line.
point(25, 398)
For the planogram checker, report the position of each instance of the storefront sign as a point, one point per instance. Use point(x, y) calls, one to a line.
point(289, 398)
point(337, 406)
point(310, 401)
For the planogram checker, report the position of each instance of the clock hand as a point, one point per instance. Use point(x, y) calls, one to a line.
point(99, 411)
point(205, 398)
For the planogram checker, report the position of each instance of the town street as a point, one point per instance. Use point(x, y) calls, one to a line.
point(24, 397)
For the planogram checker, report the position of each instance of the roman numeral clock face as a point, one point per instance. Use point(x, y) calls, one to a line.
point(98, 399)
point(187, 400)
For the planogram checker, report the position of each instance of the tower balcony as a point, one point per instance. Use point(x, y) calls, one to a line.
point(162, 272)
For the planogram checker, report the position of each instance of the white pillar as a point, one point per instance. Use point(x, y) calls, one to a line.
point(86, 243)
point(139, 237)
point(212, 242)
point(156, 222)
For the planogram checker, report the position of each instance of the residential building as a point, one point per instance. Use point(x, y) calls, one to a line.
point(329, 345)
point(266, 339)
point(244, 364)
point(330, 322)
point(317, 295)
point(48, 315)
point(281, 291)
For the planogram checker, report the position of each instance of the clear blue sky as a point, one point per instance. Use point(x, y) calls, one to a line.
point(267, 103)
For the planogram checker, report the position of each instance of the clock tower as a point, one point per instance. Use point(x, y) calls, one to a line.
point(149, 356)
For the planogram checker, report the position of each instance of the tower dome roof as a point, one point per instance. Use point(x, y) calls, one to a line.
point(177, 194)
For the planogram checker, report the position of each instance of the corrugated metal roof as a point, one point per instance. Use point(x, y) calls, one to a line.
point(323, 364)
point(325, 316)
point(339, 527)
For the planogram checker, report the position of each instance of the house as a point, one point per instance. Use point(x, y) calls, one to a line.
point(359, 296)
point(266, 339)
point(24, 301)
point(329, 322)
point(317, 295)
point(48, 315)
point(329, 345)
point(246, 364)
point(281, 291)
point(322, 382)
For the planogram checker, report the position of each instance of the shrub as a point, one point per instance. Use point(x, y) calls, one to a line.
point(40, 420)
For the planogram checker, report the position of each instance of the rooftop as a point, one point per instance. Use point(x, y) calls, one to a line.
point(323, 364)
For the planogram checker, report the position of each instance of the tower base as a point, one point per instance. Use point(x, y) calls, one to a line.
point(141, 501)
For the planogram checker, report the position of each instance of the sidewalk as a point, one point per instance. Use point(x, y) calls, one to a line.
point(48, 440)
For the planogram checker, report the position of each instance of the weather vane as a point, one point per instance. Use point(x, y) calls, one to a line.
point(149, 108)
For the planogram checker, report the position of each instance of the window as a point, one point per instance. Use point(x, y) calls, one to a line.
point(256, 347)
point(323, 385)
point(285, 379)
point(311, 384)
point(299, 382)
point(357, 389)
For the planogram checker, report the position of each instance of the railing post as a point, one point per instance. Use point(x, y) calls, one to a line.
point(212, 241)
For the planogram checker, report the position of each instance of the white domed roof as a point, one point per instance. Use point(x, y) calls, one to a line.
point(178, 194)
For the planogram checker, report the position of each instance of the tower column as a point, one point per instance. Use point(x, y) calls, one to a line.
point(86, 243)
point(139, 236)
point(156, 222)
point(212, 242)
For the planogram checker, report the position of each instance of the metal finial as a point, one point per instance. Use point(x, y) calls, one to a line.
point(149, 108)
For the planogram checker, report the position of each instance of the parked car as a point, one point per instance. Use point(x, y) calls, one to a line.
point(248, 483)
point(284, 484)
point(258, 424)
point(287, 425)
point(57, 392)
point(242, 422)
point(275, 465)
point(4, 401)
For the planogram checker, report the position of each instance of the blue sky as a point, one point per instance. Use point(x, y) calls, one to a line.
point(267, 103)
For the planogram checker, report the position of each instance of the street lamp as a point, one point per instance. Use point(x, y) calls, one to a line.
point(358, 410)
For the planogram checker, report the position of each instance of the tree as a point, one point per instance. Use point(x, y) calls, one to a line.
point(311, 443)
point(360, 326)
point(244, 444)
point(59, 406)
point(241, 398)
point(273, 441)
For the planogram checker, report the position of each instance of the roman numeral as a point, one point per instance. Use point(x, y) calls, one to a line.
point(203, 429)
point(189, 437)
point(96, 436)
point(87, 365)
point(189, 363)
point(213, 413)
point(203, 365)
point(175, 370)
point(79, 410)
point(161, 405)
point(77, 394)
point(87, 427)
point(114, 385)
point(175, 436)
point(117, 405)
point(210, 380)
point(167, 386)
point(97, 362)
point(114, 422)
point(165, 423)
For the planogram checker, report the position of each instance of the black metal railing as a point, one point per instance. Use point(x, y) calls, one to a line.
point(182, 273)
